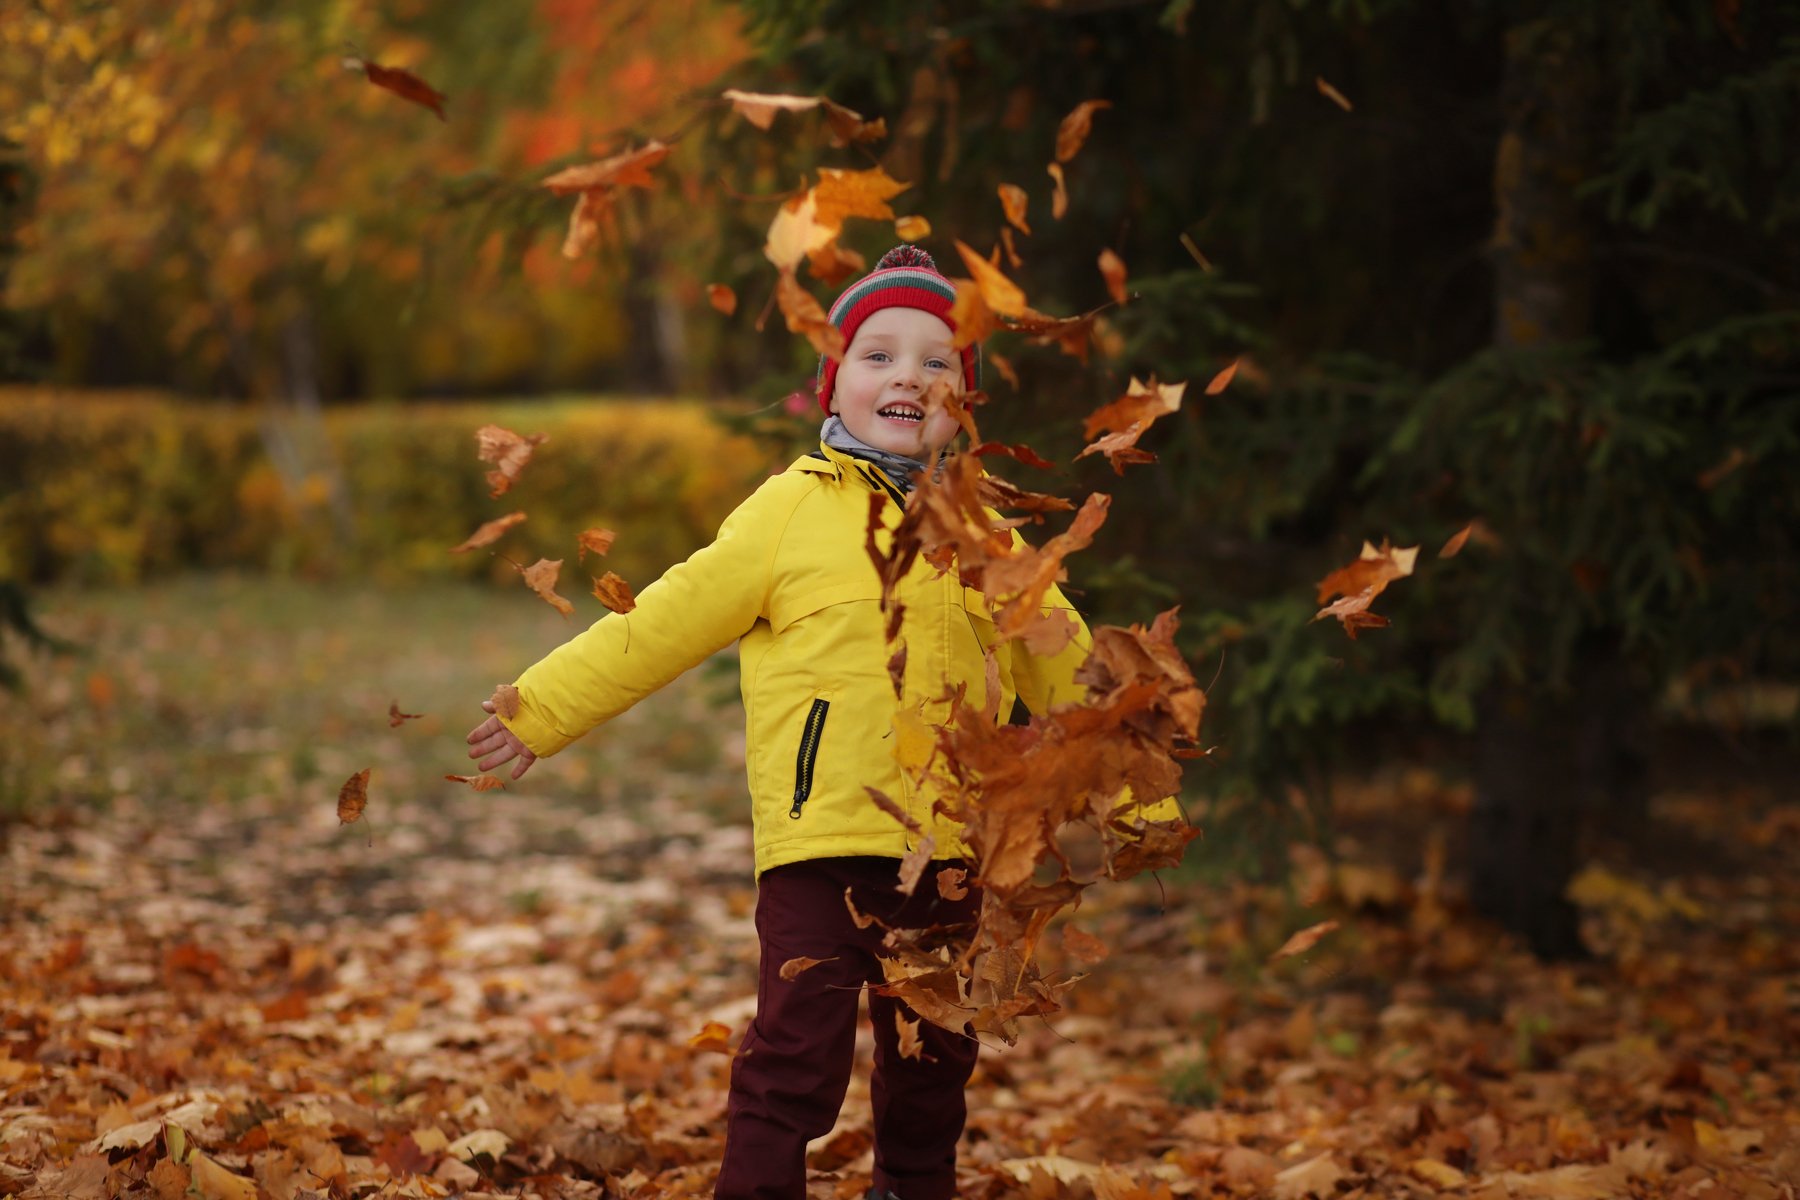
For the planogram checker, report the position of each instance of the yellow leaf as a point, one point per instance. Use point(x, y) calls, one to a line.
point(214, 1182)
point(1439, 1174)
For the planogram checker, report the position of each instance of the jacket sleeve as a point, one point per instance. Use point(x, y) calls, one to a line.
point(697, 608)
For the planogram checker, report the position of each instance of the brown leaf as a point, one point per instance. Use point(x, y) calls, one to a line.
point(910, 1044)
point(479, 783)
point(722, 298)
point(1331, 93)
point(950, 883)
point(896, 668)
point(1003, 365)
point(861, 919)
point(214, 1182)
point(1013, 201)
point(1222, 380)
point(1073, 131)
point(1303, 940)
point(1454, 546)
point(1021, 453)
point(597, 540)
point(353, 797)
point(630, 168)
point(396, 718)
point(508, 452)
point(402, 83)
point(615, 593)
point(791, 969)
point(888, 806)
point(1059, 199)
point(1112, 269)
point(912, 229)
point(1083, 947)
point(593, 210)
point(1012, 252)
point(912, 866)
point(1360, 582)
point(970, 314)
point(540, 577)
point(168, 1179)
point(832, 263)
point(714, 1038)
point(1127, 418)
point(490, 531)
point(805, 316)
point(506, 700)
point(1000, 294)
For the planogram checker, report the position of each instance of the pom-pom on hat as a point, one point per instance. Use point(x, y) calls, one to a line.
point(906, 277)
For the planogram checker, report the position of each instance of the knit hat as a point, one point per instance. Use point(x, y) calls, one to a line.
point(906, 277)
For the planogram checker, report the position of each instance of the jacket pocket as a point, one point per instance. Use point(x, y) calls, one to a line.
point(808, 757)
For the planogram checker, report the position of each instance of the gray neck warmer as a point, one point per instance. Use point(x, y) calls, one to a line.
point(896, 467)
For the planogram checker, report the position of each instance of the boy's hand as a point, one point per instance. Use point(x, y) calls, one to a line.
point(495, 744)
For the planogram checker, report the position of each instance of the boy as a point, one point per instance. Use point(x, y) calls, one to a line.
point(789, 578)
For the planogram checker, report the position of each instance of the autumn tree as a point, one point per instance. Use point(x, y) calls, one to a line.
point(1516, 267)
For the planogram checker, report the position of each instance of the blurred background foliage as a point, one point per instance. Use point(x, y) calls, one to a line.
point(1540, 275)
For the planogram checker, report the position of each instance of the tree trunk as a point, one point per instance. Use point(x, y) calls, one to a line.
point(1528, 793)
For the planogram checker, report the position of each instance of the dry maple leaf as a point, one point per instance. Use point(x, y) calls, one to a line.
point(1454, 546)
point(479, 783)
point(401, 83)
point(540, 577)
point(214, 1182)
point(396, 718)
point(792, 968)
point(1020, 452)
point(1332, 94)
point(1012, 251)
point(832, 263)
point(950, 883)
point(912, 866)
point(353, 797)
point(805, 316)
point(1361, 581)
point(973, 319)
point(721, 298)
point(508, 452)
point(796, 232)
point(1013, 202)
point(630, 168)
point(593, 209)
point(1222, 380)
point(910, 1044)
point(847, 126)
point(1083, 947)
point(1059, 199)
point(505, 701)
point(713, 1037)
point(597, 540)
point(1303, 940)
point(912, 229)
point(615, 593)
point(844, 194)
point(1073, 132)
point(1000, 294)
point(1112, 269)
point(887, 805)
point(490, 531)
point(1139, 408)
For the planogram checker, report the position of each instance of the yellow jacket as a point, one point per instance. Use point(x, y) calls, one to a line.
point(789, 578)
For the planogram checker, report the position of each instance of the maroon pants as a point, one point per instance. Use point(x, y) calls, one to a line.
point(791, 1072)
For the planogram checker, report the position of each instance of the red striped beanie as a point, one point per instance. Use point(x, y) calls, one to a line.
point(906, 277)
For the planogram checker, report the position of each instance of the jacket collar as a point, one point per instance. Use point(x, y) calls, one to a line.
point(829, 460)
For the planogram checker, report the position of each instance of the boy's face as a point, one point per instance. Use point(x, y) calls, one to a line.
point(895, 356)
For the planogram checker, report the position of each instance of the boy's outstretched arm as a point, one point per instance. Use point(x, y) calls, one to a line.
point(495, 745)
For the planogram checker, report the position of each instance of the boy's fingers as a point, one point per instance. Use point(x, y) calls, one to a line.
point(487, 706)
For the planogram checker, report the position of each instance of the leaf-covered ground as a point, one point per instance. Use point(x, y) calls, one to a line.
point(207, 984)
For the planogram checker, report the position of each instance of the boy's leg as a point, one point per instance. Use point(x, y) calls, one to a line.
point(919, 1104)
point(793, 1067)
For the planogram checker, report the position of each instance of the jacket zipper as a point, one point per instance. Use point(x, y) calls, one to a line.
point(809, 754)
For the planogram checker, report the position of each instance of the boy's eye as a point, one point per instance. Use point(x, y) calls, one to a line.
point(938, 364)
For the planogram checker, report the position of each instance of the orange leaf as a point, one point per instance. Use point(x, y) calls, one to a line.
point(1714, 475)
point(832, 263)
point(592, 210)
point(1059, 199)
point(912, 229)
point(1073, 131)
point(1222, 380)
point(1304, 940)
point(950, 883)
point(792, 968)
point(887, 805)
point(722, 298)
point(1331, 93)
point(715, 1038)
point(506, 700)
point(1112, 269)
point(1013, 201)
point(844, 194)
point(1002, 364)
point(1012, 251)
point(508, 452)
point(1139, 406)
point(540, 577)
point(597, 540)
point(999, 293)
point(1454, 546)
point(805, 316)
point(630, 168)
point(396, 718)
point(615, 593)
point(479, 783)
point(1372, 568)
point(1082, 946)
point(491, 531)
point(353, 797)
point(1022, 453)
point(970, 314)
point(402, 83)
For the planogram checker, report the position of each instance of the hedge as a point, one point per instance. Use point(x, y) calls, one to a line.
point(115, 488)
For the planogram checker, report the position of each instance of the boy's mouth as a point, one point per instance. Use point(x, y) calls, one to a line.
point(906, 414)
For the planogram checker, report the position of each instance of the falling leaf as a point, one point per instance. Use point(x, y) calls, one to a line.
point(593, 210)
point(805, 316)
point(912, 229)
point(508, 452)
point(1714, 475)
point(353, 797)
point(796, 232)
point(1082, 946)
point(847, 126)
point(1112, 269)
point(950, 883)
point(1332, 94)
point(1004, 366)
point(1059, 199)
point(912, 866)
point(1000, 294)
point(402, 83)
point(540, 577)
point(1374, 567)
point(970, 315)
point(792, 968)
point(1126, 419)
point(1073, 131)
point(1013, 201)
point(1194, 250)
point(722, 298)
point(1012, 251)
point(597, 540)
point(396, 718)
point(1454, 546)
point(896, 668)
point(861, 919)
point(1020, 452)
point(1303, 940)
point(490, 531)
point(505, 701)
point(630, 168)
point(714, 1038)
point(615, 593)
point(910, 1044)
point(832, 263)
point(1223, 379)
point(479, 783)
point(888, 806)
